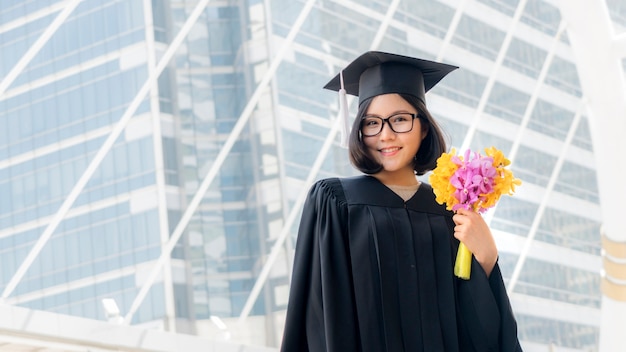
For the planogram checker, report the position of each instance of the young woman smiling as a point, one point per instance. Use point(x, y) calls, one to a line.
point(373, 268)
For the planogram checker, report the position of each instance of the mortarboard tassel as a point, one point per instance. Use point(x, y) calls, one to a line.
point(343, 113)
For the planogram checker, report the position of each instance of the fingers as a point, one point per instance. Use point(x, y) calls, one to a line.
point(464, 216)
point(471, 228)
point(473, 231)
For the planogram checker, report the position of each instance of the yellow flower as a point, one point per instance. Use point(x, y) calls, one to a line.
point(503, 183)
point(440, 180)
point(498, 157)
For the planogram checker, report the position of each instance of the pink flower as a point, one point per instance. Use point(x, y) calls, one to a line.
point(473, 180)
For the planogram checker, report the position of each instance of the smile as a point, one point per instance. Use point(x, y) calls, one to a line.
point(390, 150)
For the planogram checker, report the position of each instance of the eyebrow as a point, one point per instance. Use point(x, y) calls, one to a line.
point(393, 113)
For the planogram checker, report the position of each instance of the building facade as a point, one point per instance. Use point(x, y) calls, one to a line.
point(517, 89)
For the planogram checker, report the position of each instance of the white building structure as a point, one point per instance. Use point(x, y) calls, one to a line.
point(157, 153)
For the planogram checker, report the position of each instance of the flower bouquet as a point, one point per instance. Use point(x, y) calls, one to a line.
point(473, 182)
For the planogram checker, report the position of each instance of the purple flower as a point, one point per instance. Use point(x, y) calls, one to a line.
point(487, 173)
point(473, 179)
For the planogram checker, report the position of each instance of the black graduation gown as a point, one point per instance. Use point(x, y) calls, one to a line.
point(375, 273)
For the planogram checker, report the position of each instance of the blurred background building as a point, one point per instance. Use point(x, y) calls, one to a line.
point(112, 181)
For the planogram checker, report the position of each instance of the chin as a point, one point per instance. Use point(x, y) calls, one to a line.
point(391, 169)
point(397, 168)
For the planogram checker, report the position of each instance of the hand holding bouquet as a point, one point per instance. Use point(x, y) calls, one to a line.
point(472, 182)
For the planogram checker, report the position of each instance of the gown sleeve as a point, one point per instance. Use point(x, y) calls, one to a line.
point(320, 312)
point(485, 315)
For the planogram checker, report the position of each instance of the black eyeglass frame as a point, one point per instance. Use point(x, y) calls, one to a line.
point(386, 120)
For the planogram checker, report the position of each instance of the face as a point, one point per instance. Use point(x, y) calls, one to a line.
point(394, 151)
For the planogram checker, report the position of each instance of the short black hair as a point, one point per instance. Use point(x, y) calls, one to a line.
point(429, 151)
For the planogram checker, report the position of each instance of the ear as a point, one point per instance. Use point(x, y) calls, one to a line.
point(424, 133)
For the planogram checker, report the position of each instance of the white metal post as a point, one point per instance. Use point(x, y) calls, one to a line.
point(37, 45)
point(159, 167)
point(484, 98)
point(321, 156)
point(102, 152)
point(219, 160)
point(544, 202)
point(598, 53)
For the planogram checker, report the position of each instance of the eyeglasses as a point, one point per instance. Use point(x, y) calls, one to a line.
point(399, 123)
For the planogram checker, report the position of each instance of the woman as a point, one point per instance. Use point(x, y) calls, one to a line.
point(374, 258)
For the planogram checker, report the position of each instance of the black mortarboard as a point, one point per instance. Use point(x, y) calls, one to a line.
point(375, 73)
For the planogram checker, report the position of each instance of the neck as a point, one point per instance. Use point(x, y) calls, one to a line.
point(397, 178)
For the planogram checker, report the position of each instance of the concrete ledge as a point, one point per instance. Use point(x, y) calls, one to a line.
point(32, 330)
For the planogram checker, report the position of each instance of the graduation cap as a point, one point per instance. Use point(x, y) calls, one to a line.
point(375, 73)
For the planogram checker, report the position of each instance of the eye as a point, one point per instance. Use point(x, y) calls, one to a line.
point(400, 118)
point(371, 121)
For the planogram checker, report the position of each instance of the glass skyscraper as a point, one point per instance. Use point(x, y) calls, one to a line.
point(517, 89)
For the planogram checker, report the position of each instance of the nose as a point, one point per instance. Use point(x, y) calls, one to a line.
point(387, 132)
